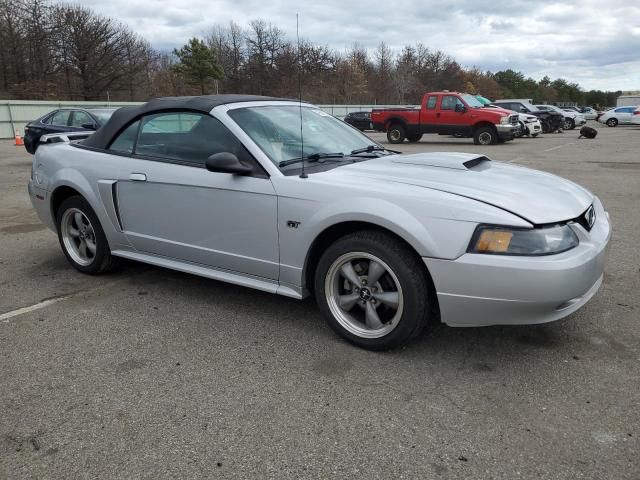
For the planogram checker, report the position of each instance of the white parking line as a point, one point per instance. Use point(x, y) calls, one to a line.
point(558, 146)
point(45, 303)
point(14, 313)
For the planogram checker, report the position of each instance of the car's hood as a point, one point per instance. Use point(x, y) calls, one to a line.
point(536, 196)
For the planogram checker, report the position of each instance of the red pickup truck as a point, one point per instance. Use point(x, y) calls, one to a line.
point(447, 113)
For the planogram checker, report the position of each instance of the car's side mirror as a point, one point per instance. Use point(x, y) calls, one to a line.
point(523, 110)
point(226, 162)
point(89, 126)
point(460, 108)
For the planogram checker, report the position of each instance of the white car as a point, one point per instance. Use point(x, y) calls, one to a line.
point(635, 118)
point(589, 113)
point(617, 116)
point(571, 119)
point(530, 125)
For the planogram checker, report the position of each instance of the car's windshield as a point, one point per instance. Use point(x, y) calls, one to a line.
point(471, 100)
point(276, 130)
point(103, 114)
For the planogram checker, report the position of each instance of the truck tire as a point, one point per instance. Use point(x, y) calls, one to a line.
point(485, 136)
point(413, 138)
point(396, 133)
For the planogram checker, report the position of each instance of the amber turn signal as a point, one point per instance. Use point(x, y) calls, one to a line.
point(494, 241)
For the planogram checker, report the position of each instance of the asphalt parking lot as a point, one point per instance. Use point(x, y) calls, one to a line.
point(149, 373)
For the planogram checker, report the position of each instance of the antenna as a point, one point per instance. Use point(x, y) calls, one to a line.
point(302, 174)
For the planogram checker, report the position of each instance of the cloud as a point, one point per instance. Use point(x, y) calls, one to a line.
point(591, 42)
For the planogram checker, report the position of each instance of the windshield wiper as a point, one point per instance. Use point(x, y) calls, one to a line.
point(314, 157)
point(372, 148)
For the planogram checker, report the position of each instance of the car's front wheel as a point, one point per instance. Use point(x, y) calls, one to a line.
point(485, 136)
point(612, 122)
point(82, 238)
point(569, 124)
point(373, 290)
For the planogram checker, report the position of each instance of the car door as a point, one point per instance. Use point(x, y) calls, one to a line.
point(80, 118)
point(59, 122)
point(451, 121)
point(429, 120)
point(171, 206)
point(624, 114)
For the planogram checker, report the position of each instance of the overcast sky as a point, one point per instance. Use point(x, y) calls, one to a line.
point(593, 42)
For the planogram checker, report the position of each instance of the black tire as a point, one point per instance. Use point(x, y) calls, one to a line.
point(485, 136)
point(414, 137)
point(612, 122)
point(521, 132)
point(418, 300)
point(569, 124)
point(535, 135)
point(396, 133)
point(102, 261)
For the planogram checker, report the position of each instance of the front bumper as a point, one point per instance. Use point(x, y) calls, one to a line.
point(479, 290)
point(533, 127)
point(506, 132)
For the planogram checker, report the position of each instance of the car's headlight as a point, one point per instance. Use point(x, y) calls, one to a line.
point(504, 120)
point(499, 240)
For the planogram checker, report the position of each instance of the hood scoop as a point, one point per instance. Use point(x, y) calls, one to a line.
point(455, 161)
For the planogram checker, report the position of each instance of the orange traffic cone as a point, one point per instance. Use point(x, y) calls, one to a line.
point(19, 140)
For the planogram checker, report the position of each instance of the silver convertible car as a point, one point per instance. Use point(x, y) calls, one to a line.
point(278, 195)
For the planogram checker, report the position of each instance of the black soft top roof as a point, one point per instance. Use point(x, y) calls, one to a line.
point(125, 115)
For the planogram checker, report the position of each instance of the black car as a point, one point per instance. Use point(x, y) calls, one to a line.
point(360, 120)
point(64, 120)
point(551, 121)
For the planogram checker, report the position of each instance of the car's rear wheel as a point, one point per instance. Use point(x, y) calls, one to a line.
point(612, 122)
point(485, 136)
point(82, 238)
point(396, 133)
point(373, 290)
point(414, 137)
point(569, 124)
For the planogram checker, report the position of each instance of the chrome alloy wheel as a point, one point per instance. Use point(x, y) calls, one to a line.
point(485, 138)
point(394, 134)
point(364, 295)
point(78, 236)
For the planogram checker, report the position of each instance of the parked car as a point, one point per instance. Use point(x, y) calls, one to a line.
point(617, 116)
point(360, 120)
point(64, 120)
point(635, 118)
point(602, 112)
point(589, 113)
point(529, 125)
point(447, 113)
point(572, 119)
point(551, 121)
point(217, 186)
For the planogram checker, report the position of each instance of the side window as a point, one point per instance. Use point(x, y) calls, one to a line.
point(449, 102)
point(431, 102)
point(186, 137)
point(79, 118)
point(125, 142)
point(61, 117)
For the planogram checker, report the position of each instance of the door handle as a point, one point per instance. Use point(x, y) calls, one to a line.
point(137, 177)
point(438, 114)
